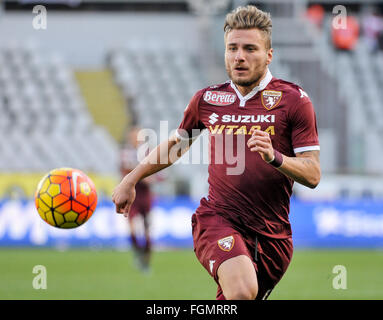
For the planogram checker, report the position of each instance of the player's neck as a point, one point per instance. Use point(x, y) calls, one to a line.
point(245, 90)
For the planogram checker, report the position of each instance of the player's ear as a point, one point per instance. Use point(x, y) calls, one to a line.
point(269, 56)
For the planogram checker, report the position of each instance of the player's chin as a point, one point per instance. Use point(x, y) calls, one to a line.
point(243, 81)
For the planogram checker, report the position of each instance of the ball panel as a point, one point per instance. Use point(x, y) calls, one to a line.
point(58, 179)
point(83, 200)
point(93, 199)
point(50, 218)
point(58, 218)
point(42, 205)
point(93, 206)
point(90, 213)
point(44, 184)
point(66, 188)
point(69, 225)
point(70, 216)
point(78, 207)
point(61, 172)
point(53, 189)
point(46, 198)
point(65, 207)
point(41, 213)
point(59, 200)
point(82, 217)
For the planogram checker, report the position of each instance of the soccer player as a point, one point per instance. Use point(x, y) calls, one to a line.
point(142, 204)
point(241, 230)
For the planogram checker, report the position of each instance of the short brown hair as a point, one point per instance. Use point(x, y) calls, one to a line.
point(249, 17)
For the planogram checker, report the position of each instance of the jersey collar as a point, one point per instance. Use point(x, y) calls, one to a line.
point(262, 85)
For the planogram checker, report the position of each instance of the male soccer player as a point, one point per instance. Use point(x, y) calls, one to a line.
point(241, 231)
point(142, 204)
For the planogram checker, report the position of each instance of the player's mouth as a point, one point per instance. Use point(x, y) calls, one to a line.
point(241, 69)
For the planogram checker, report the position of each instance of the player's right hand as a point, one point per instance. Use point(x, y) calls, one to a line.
point(123, 196)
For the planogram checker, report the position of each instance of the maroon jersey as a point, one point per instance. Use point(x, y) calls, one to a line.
point(128, 159)
point(257, 198)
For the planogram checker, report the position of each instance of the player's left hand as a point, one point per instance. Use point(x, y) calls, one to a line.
point(260, 142)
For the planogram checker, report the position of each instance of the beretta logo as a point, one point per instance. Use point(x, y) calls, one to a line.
point(219, 98)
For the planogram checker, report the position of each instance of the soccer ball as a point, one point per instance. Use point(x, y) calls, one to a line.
point(65, 198)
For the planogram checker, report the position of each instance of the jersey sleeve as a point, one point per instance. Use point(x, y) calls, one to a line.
point(191, 125)
point(304, 126)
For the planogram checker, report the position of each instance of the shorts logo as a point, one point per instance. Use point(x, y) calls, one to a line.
point(226, 244)
point(270, 98)
point(211, 265)
point(219, 98)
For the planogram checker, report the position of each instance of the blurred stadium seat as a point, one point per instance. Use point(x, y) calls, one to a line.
point(45, 123)
point(159, 79)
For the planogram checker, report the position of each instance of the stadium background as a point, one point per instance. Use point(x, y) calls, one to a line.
point(69, 92)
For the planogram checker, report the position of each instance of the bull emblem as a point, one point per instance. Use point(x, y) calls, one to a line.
point(271, 98)
point(226, 244)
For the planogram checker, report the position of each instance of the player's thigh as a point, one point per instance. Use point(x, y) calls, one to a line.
point(132, 218)
point(238, 278)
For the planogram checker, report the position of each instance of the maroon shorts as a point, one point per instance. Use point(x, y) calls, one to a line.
point(215, 240)
point(143, 202)
point(139, 208)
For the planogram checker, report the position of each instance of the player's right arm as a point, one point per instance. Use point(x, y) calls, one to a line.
point(163, 156)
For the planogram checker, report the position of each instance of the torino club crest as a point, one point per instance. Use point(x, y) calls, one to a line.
point(226, 244)
point(271, 98)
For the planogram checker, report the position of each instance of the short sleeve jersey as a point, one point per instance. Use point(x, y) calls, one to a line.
point(253, 195)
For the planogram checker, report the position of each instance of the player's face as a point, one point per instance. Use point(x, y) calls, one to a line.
point(132, 137)
point(246, 57)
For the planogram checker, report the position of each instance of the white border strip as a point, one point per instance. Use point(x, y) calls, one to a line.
point(309, 148)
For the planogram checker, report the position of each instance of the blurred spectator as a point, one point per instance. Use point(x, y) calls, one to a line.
point(345, 38)
point(372, 24)
point(315, 13)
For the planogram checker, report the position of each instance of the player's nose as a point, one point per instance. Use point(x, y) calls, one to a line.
point(239, 55)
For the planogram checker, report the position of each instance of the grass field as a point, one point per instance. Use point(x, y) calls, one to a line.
point(177, 275)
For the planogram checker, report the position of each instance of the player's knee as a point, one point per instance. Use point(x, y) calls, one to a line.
point(242, 292)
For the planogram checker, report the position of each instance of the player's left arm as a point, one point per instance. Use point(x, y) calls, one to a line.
point(304, 168)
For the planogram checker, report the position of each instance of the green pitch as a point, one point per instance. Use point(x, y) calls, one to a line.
point(109, 274)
